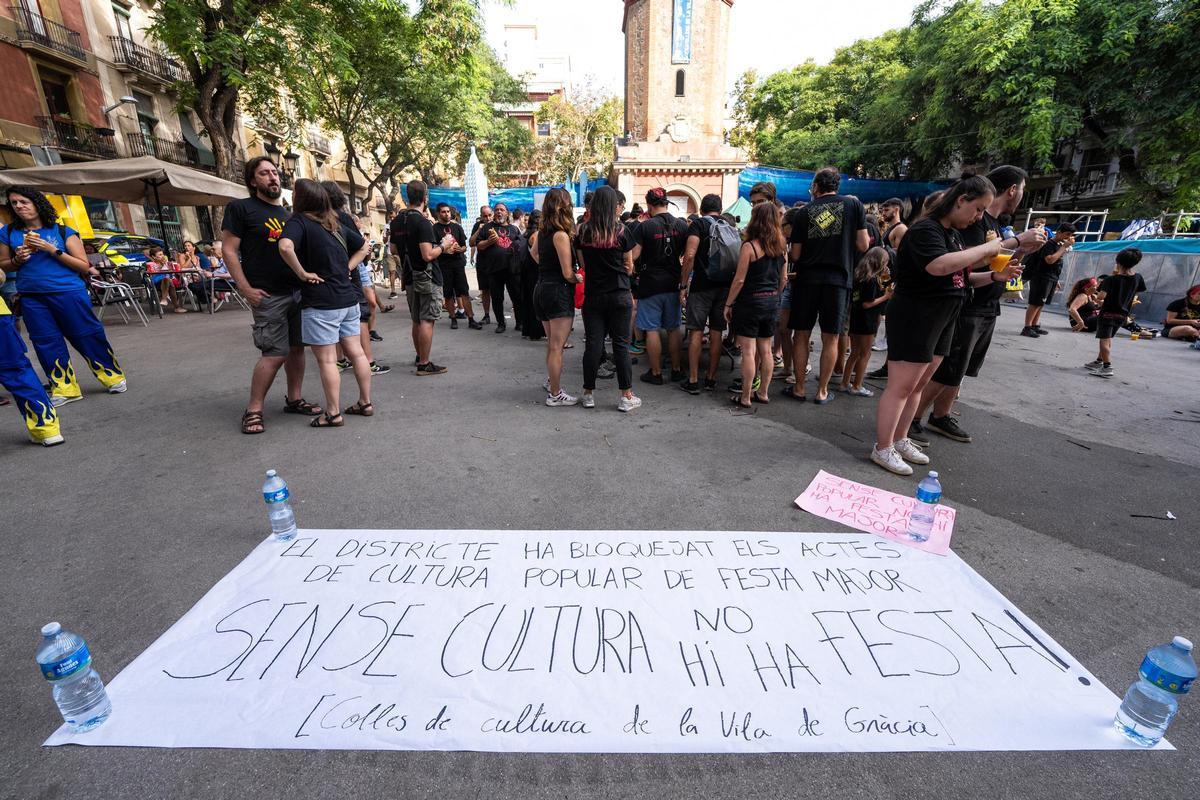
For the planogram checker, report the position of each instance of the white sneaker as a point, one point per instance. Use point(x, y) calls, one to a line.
point(629, 403)
point(118, 388)
point(57, 400)
point(890, 460)
point(49, 441)
point(588, 400)
point(879, 346)
point(561, 399)
point(910, 452)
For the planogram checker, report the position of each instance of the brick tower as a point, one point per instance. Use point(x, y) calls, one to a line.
point(675, 72)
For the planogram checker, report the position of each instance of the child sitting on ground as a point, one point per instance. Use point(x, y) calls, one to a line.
point(1116, 297)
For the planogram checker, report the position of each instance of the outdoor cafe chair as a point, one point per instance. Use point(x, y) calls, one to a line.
point(116, 294)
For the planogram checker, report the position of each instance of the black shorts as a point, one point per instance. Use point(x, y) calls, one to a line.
point(972, 337)
point(553, 301)
point(813, 301)
point(1107, 326)
point(920, 328)
point(1041, 289)
point(864, 323)
point(756, 317)
point(364, 312)
point(454, 282)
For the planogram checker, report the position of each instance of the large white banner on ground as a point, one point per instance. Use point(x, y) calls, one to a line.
point(604, 641)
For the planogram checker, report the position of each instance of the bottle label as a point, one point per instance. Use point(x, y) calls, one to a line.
point(928, 497)
point(277, 496)
point(67, 666)
point(1168, 681)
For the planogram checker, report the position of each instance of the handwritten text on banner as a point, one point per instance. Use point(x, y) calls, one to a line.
point(636, 641)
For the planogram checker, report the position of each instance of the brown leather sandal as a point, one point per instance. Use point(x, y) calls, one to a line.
point(361, 410)
point(328, 421)
point(252, 422)
point(301, 406)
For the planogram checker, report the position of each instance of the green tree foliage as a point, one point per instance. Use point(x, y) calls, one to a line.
point(1011, 81)
point(234, 51)
point(583, 131)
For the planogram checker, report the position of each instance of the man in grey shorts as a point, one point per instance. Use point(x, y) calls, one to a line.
point(250, 239)
point(704, 298)
point(416, 245)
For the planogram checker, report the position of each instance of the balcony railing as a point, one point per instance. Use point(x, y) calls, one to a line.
point(76, 138)
point(36, 29)
point(144, 60)
point(173, 150)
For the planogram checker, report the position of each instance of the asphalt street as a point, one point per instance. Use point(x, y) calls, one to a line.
point(155, 496)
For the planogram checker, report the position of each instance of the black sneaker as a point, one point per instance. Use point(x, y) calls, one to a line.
point(650, 376)
point(710, 384)
point(947, 426)
point(379, 369)
point(429, 368)
point(606, 371)
point(454, 323)
point(879, 374)
point(691, 387)
point(501, 328)
point(393, 296)
point(1040, 331)
point(1030, 332)
point(375, 337)
point(460, 314)
point(917, 435)
point(678, 375)
point(487, 319)
point(343, 364)
point(473, 325)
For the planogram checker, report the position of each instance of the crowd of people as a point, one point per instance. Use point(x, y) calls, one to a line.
point(652, 286)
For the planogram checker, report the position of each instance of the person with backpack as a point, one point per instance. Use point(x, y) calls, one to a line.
point(710, 257)
point(418, 249)
point(658, 252)
point(51, 268)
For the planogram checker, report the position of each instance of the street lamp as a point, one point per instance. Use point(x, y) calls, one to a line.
point(121, 101)
point(291, 160)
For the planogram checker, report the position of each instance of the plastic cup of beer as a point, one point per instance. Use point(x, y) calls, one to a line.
point(1134, 336)
point(999, 262)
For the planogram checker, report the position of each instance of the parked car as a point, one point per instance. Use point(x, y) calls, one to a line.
point(124, 249)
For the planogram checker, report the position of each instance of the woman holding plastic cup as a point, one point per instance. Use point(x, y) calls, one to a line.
point(931, 276)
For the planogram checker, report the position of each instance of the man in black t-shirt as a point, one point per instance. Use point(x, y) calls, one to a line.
point(1042, 271)
point(977, 319)
point(825, 237)
point(485, 295)
point(453, 263)
point(496, 246)
point(658, 253)
point(250, 240)
point(418, 249)
point(703, 297)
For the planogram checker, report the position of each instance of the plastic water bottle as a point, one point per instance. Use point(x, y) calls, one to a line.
point(1166, 672)
point(929, 494)
point(65, 662)
point(275, 493)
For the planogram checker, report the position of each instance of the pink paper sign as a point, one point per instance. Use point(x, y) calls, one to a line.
point(873, 510)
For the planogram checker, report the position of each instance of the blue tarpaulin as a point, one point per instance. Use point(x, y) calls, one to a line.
point(792, 185)
point(1167, 246)
point(520, 197)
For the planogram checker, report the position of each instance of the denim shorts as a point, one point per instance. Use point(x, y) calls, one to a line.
point(659, 311)
point(329, 325)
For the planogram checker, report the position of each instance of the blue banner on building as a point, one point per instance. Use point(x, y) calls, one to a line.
point(681, 33)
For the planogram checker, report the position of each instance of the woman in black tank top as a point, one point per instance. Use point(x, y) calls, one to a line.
point(554, 295)
point(529, 278)
point(752, 309)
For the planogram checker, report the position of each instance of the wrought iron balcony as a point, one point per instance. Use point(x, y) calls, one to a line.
point(143, 60)
point(173, 150)
point(47, 34)
point(76, 138)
